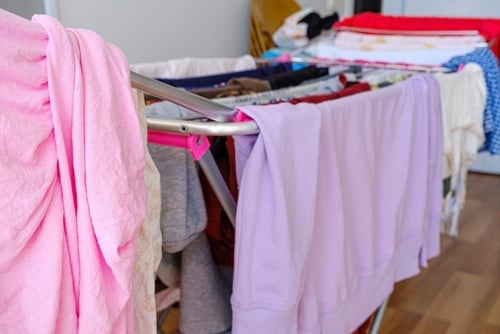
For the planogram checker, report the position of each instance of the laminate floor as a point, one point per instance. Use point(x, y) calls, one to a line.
point(460, 290)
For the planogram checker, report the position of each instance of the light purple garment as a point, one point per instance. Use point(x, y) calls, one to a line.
point(337, 202)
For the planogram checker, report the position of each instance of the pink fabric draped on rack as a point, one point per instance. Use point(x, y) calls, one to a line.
point(71, 169)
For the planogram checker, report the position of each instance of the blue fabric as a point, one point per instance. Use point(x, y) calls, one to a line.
point(277, 52)
point(489, 63)
point(217, 80)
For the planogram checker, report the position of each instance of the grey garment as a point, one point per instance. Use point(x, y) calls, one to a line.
point(227, 273)
point(183, 211)
point(329, 85)
point(205, 293)
point(226, 332)
point(169, 270)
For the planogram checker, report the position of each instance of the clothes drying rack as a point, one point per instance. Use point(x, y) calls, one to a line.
point(191, 135)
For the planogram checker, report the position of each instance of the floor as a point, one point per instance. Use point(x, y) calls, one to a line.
point(171, 322)
point(460, 290)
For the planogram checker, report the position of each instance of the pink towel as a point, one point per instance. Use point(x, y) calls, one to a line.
point(71, 169)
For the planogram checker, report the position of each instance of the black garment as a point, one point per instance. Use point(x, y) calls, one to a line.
point(210, 81)
point(294, 78)
point(316, 24)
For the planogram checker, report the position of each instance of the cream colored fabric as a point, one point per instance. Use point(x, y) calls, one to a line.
point(463, 99)
point(148, 241)
point(348, 40)
point(292, 33)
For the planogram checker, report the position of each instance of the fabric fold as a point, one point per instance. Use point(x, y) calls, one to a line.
point(358, 178)
point(75, 179)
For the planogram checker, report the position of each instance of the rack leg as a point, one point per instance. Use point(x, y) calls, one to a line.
point(379, 315)
point(209, 166)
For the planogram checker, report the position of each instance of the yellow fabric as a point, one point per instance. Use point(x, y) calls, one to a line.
point(266, 16)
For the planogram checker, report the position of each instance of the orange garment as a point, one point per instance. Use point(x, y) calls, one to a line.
point(265, 18)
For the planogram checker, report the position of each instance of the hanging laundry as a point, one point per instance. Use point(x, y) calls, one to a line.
point(463, 99)
point(72, 170)
point(358, 177)
point(217, 80)
point(485, 58)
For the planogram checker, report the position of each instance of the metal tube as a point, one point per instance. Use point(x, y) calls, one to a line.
point(202, 128)
point(379, 315)
point(214, 177)
point(201, 105)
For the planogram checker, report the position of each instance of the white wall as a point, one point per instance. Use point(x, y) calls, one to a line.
point(393, 7)
point(24, 8)
point(343, 7)
point(321, 6)
point(152, 30)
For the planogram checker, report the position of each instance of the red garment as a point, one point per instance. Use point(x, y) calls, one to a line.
point(488, 28)
point(495, 46)
point(351, 90)
point(220, 231)
point(364, 328)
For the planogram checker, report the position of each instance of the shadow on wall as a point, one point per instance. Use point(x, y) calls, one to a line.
point(24, 8)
